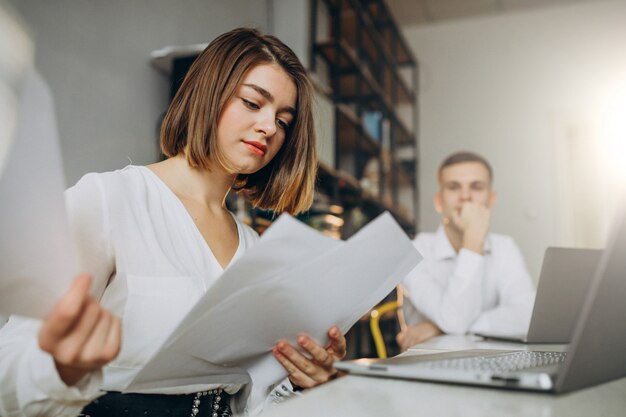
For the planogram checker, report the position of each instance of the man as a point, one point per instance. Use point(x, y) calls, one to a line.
point(470, 280)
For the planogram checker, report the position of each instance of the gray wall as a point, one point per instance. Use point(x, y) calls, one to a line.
point(532, 92)
point(95, 57)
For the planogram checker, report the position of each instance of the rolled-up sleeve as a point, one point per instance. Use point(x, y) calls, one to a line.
point(29, 382)
point(469, 292)
point(515, 293)
point(31, 385)
point(453, 303)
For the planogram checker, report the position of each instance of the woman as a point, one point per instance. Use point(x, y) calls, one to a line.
point(155, 238)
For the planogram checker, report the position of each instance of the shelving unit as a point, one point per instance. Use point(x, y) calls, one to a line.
point(362, 65)
point(361, 62)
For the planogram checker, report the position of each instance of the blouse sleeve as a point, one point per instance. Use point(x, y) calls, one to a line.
point(281, 392)
point(88, 215)
point(29, 382)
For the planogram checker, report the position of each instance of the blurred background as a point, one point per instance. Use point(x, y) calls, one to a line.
point(536, 86)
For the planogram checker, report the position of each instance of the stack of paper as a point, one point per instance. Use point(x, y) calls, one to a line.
point(293, 280)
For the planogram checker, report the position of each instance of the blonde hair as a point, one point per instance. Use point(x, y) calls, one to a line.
point(464, 156)
point(287, 183)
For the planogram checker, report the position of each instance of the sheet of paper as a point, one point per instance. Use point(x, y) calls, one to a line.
point(310, 284)
point(180, 374)
point(16, 56)
point(336, 287)
point(37, 260)
point(286, 243)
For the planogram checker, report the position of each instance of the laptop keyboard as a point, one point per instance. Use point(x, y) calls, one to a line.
point(509, 362)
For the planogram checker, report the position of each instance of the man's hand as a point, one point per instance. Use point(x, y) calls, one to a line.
point(417, 333)
point(80, 335)
point(316, 368)
point(473, 220)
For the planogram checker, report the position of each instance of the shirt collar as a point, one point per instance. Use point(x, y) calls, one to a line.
point(444, 249)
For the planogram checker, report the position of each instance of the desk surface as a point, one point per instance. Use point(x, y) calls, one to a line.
point(367, 396)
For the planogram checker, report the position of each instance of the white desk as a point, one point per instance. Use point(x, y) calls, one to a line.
point(449, 342)
point(367, 396)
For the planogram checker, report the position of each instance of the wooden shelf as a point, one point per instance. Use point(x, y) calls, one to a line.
point(339, 53)
point(362, 55)
point(163, 59)
point(352, 137)
point(351, 67)
point(404, 177)
point(385, 23)
point(357, 196)
point(405, 94)
point(402, 133)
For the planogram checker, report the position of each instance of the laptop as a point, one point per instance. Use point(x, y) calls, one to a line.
point(565, 277)
point(595, 354)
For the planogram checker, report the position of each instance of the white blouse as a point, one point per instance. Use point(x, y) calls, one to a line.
point(150, 265)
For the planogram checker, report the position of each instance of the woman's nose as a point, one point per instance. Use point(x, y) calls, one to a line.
point(266, 124)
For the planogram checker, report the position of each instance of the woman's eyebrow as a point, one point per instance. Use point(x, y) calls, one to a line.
point(269, 97)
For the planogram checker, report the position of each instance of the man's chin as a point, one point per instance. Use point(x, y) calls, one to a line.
point(449, 223)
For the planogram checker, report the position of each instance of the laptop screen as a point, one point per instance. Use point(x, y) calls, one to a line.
point(596, 353)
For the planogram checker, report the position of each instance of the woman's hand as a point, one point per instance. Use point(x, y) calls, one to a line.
point(317, 367)
point(80, 335)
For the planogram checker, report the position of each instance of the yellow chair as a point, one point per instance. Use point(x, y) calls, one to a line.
point(377, 313)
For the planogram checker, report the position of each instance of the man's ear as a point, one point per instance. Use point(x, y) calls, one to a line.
point(492, 199)
point(437, 202)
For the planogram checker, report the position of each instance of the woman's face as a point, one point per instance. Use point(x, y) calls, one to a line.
point(255, 121)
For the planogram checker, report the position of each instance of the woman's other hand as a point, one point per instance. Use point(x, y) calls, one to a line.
point(316, 366)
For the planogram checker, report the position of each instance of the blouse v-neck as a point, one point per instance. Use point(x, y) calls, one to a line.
point(192, 223)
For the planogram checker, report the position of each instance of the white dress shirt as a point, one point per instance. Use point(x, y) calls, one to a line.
point(468, 292)
point(150, 265)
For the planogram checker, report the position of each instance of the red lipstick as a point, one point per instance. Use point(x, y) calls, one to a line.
point(256, 147)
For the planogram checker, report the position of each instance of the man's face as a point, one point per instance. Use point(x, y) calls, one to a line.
point(465, 182)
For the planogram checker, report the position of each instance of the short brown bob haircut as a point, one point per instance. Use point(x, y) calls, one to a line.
point(287, 183)
point(464, 156)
